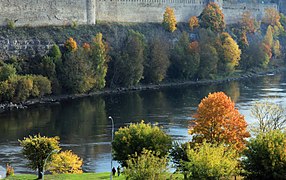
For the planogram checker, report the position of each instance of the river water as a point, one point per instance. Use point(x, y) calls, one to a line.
point(83, 124)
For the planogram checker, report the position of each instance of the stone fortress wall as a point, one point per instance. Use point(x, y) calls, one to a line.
point(63, 12)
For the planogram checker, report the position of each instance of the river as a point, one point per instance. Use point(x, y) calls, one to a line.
point(84, 127)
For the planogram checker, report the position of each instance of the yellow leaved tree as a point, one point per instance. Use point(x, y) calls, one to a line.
point(169, 20)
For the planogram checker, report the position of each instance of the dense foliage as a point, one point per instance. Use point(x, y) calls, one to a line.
point(218, 121)
point(207, 160)
point(213, 18)
point(266, 156)
point(136, 137)
point(65, 162)
point(147, 165)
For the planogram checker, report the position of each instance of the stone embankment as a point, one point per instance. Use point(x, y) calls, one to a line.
point(8, 106)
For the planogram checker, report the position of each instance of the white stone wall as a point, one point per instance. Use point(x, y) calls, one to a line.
point(43, 12)
point(233, 13)
point(146, 10)
point(64, 12)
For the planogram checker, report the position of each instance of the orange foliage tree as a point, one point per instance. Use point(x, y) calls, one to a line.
point(218, 121)
point(71, 45)
point(193, 22)
point(248, 23)
point(169, 20)
point(272, 17)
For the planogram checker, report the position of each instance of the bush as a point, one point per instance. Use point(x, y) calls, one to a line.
point(210, 161)
point(148, 165)
point(55, 53)
point(71, 45)
point(20, 88)
point(9, 170)
point(65, 162)
point(266, 156)
point(135, 137)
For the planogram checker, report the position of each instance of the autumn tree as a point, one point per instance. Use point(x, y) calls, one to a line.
point(99, 59)
point(230, 53)
point(185, 58)
point(36, 149)
point(157, 63)
point(71, 45)
point(272, 17)
point(212, 17)
point(169, 20)
point(276, 49)
point(218, 121)
point(248, 23)
point(193, 22)
point(136, 137)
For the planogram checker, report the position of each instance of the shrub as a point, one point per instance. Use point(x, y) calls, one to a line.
point(9, 170)
point(147, 165)
point(55, 53)
point(265, 156)
point(41, 86)
point(36, 149)
point(210, 161)
point(169, 20)
point(65, 162)
point(135, 137)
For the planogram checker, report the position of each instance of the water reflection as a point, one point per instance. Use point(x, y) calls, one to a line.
point(83, 125)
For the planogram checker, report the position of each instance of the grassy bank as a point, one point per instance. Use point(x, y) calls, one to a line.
point(89, 176)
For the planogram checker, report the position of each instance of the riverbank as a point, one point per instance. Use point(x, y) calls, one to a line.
point(57, 99)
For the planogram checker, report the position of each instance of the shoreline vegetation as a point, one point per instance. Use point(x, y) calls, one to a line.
point(142, 87)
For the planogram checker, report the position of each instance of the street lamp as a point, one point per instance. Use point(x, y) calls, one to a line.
point(53, 151)
point(112, 132)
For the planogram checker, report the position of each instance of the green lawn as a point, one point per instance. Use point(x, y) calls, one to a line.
point(84, 176)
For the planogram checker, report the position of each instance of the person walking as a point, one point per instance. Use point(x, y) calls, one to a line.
point(118, 170)
point(113, 171)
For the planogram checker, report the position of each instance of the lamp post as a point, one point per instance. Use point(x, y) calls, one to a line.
point(112, 132)
point(53, 151)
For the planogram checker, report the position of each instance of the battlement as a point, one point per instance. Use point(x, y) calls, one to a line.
point(62, 12)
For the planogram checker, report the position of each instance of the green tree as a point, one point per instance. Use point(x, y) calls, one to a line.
point(135, 137)
point(210, 161)
point(147, 165)
point(6, 71)
point(128, 68)
point(76, 72)
point(185, 58)
point(36, 149)
point(55, 53)
point(158, 62)
point(265, 156)
point(208, 61)
point(213, 18)
point(99, 58)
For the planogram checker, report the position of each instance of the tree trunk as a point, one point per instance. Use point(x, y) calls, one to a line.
point(40, 173)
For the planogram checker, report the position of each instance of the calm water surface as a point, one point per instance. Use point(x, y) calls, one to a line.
point(83, 124)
